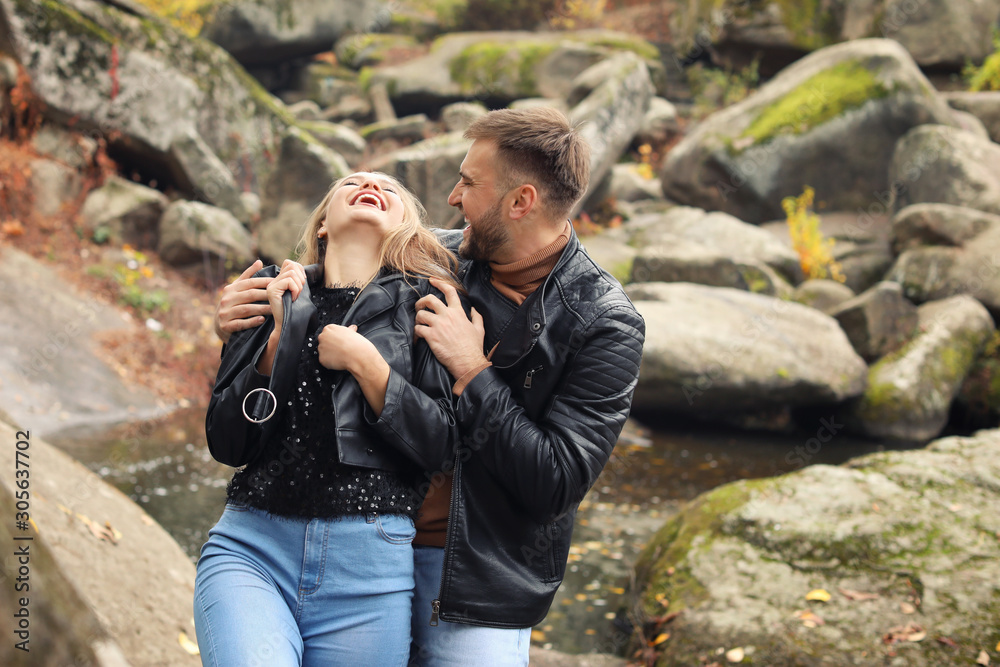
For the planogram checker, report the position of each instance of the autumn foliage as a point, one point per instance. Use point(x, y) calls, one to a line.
point(814, 250)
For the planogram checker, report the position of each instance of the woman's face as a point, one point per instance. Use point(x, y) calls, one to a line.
point(365, 199)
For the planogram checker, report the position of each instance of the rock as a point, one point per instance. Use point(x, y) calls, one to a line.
point(54, 379)
point(271, 31)
point(738, 561)
point(72, 149)
point(823, 295)
point(720, 234)
point(938, 224)
point(830, 121)
point(202, 173)
point(683, 261)
point(195, 232)
point(613, 256)
point(984, 105)
point(966, 121)
point(408, 129)
point(430, 169)
point(534, 102)
point(542, 657)
point(863, 264)
point(305, 110)
point(877, 321)
point(170, 86)
point(121, 211)
point(939, 34)
point(500, 67)
point(609, 117)
point(350, 108)
point(304, 174)
point(626, 182)
point(328, 85)
point(368, 49)
point(106, 585)
point(712, 349)
point(458, 116)
point(338, 138)
point(659, 124)
point(909, 391)
point(946, 165)
point(54, 186)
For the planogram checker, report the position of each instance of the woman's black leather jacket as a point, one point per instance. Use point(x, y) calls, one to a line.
point(417, 401)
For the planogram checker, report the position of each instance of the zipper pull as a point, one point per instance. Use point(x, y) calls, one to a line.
point(435, 610)
point(527, 378)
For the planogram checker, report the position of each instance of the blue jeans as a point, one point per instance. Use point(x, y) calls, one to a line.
point(456, 644)
point(275, 591)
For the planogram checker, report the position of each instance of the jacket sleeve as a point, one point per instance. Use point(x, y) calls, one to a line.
point(419, 418)
point(548, 465)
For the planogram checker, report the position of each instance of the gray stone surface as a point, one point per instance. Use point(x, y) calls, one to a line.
point(984, 105)
point(458, 116)
point(877, 321)
point(914, 527)
point(712, 349)
point(822, 294)
point(938, 224)
point(121, 211)
point(54, 187)
point(909, 391)
point(338, 138)
point(195, 232)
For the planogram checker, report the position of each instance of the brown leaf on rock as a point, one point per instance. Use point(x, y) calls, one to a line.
point(809, 619)
point(911, 632)
point(947, 641)
point(857, 595)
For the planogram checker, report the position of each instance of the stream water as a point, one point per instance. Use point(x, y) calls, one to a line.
point(166, 468)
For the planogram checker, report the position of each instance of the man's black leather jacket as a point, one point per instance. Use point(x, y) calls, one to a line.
point(536, 429)
point(418, 404)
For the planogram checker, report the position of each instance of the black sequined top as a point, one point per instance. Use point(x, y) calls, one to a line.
point(298, 473)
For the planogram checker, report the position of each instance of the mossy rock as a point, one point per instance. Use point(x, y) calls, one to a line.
point(918, 527)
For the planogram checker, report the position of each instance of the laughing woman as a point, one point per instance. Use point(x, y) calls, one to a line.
point(311, 562)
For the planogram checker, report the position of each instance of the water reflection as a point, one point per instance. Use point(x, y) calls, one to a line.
point(166, 468)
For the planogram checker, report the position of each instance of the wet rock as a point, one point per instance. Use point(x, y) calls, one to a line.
point(271, 31)
point(429, 168)
point(830, 121)
point(712, 349)
point(948, 166)
point(121, 211)
point(938, 224)
point(195, 232)
point(306, 169)
point(822, 294)
point(910, 391)
point(877, 321)
point(983, 105)
point(897, 527)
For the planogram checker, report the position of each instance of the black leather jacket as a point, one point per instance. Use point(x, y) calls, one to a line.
point(417, 401)
point(536, 429)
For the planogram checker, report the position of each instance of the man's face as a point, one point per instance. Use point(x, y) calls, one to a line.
point(475, 195)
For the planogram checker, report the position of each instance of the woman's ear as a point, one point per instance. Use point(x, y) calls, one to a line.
point(525, 199)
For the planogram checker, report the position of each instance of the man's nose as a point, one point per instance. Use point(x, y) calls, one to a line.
point(454, 199)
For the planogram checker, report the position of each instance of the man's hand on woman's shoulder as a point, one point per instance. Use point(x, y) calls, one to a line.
point(240, 305)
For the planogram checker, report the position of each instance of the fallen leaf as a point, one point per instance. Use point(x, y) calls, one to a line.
point(188, 645)
point(13, 228)
point(947, 641)
point(735, 655)
point(983, 659)
point(537, 636)
point(818, 595)
point(590, 631)
point(904, 633)
point(857, 595)
point(580, 596)
point(809, 619)
point(998, 646)
point(907, 608)
point(660, 638)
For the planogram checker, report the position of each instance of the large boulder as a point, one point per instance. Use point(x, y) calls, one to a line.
point(121, 211)
point(195, 232)
point(430, 169)
point(305, 172)
point(822, 294)
point(903, 543)
point(928, 273)
point(937, 33)
point(946, 165)
point(712, 349)
point(500, 67)
point(910, 391)
point(611, 114)
point(983, 105)
point(877, 321)
point(267, 32)
point(938, 224)
point(145, 86)
point(830, 121)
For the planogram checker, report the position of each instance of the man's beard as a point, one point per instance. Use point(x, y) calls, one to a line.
point(487, 237)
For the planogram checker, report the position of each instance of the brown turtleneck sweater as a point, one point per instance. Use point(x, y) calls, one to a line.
point(516, 281)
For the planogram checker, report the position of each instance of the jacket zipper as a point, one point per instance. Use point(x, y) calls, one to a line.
point(531, 373)
point(436, 603)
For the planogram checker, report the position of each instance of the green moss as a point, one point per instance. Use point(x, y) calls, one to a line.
point(365, 78)
point(622, 271)
point(823, 97)
point(500, 68)
point(51, 16)
point(636, 45)
point(811, 26)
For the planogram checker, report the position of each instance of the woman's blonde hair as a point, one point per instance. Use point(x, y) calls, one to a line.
point(409, 248)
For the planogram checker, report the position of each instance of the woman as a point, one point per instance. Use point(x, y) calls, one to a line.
point(311, 562)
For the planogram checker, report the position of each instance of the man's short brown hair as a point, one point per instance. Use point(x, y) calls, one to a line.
point(537, 146)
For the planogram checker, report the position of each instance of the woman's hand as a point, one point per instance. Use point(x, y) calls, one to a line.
point(344, 349)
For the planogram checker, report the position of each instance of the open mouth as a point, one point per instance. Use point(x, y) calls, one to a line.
point(368, 198)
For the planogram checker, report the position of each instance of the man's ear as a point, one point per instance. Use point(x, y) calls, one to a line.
point(525, 200)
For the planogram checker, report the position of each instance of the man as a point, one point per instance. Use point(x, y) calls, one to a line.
point(544, 375)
